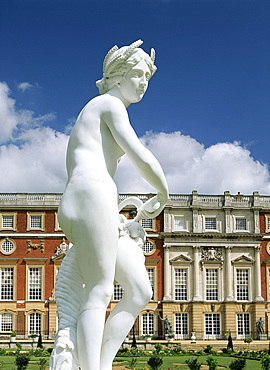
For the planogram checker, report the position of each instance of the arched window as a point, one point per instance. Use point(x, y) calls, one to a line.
point(148, 324)
point(6, 322)
point(34, 323)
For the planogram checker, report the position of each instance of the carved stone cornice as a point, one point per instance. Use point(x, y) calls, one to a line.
point(213, 236)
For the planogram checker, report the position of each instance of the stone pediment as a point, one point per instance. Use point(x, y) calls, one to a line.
point(180, 259)
point(243, 259)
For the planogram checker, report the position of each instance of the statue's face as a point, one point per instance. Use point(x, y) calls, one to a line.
point(135, 83)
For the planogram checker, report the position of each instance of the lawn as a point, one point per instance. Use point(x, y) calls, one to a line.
point(171, 361)
point(8, 363)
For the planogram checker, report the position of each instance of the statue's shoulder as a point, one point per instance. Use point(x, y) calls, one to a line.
point(108, 102)
point(104, 105)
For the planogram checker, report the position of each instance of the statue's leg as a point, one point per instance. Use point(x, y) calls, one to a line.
point(94, 232)
point(132, 276)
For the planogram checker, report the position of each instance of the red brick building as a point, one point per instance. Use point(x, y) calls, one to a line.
point(32, 247)
point(208, 261)
point(265, 260)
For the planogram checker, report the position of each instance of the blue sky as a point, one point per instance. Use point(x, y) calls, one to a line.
point(212, 85)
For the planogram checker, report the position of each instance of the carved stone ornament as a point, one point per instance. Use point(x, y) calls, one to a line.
point(35, 246)
point(61, 249)
point(211, 254)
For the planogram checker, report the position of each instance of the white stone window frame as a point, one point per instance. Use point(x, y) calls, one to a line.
point(267, 223)
point(148, 332)
point(218, 223)
point(36, 282)
point(243, 336)
point(29, 215)
point(219, 267)
point(247, 230)
point(153, 286)
point(7, 240)
point(11, 263)
point(250, 282)
point(186, 222)
point(153, 228)
point(35, 312)
point(56, 222)
point(213, 335)
point(268, 281)
point(182, 335)
point(35, 263)
point(3, 312)
point(14, 215)
point(181, 265)
point(154, 247)
point(152, 264)
point(11, 283)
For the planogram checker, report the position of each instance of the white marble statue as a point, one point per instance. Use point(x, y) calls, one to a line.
point(105, 246)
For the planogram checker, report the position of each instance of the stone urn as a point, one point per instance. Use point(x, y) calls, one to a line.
point(193, 337)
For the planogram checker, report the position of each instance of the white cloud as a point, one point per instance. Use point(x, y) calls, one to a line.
point(188, 165)
point(23, 86)
point(8, 117)
point(32, 159)
point(32, 155)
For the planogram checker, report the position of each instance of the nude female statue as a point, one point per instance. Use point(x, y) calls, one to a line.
point(88, 212)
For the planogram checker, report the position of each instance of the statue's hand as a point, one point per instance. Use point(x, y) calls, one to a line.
point(152, 207)
point(135, 230)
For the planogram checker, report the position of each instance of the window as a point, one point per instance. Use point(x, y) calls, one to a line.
point(212, 325)
point(210, 223)
point(242, 282)
point(179, 223)
point(151, 272)
point(147, 223)
point(243, 325)
point(211, 284)
point(6, 283)
point(267, 223)
point(6, 322)
point(268, 283)
point(7, 221)
point(240, 223)
point(7, 246)
point(118, 292)
point(148, 327)
point(181, 325)
point(34, 323)
point(148, 247)
point(180, 284)
point(34, 283)
point(35, 222)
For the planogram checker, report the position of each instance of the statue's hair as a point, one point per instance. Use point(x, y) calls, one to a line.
point(118, 62)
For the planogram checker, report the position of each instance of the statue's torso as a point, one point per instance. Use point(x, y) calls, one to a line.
point(92, 151)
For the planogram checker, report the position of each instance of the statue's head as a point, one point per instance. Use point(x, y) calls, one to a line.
point(119, 61)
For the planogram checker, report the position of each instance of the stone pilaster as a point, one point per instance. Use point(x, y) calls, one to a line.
point(228, 276)
point(257, 273)
point(167, 280)
point(196, 274)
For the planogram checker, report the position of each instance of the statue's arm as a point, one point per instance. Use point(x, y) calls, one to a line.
point(116, 118)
